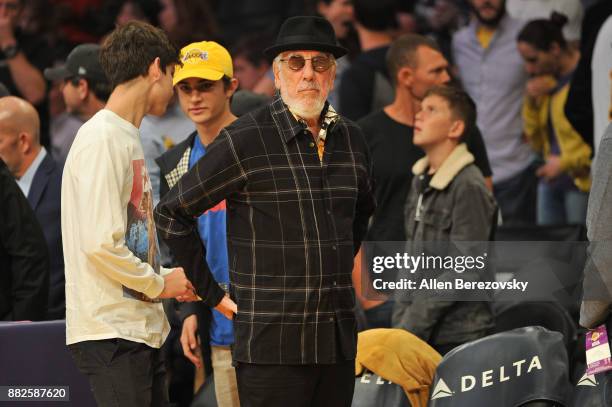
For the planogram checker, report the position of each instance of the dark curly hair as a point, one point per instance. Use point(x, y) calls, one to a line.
point(129, 50)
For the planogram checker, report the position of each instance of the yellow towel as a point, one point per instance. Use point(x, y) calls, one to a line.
point(399, 356)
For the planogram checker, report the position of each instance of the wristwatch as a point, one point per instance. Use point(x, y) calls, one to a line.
point(11, 51)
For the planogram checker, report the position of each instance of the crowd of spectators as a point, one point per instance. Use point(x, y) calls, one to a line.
point(538, 71)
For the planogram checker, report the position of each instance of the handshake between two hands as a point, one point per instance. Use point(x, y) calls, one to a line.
point(176, 285)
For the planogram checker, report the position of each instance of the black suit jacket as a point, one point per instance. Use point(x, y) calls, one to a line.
point(24, 263)
point(45, 197)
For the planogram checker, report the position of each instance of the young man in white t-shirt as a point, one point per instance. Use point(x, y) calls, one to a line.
point(115, 322)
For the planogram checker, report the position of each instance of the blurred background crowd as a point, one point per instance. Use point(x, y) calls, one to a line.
point(538, 70)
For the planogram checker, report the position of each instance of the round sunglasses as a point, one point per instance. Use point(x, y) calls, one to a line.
point(320, 63)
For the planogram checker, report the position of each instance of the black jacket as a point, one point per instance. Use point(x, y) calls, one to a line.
point(45, 199)
point(173, 164)
point(24, 260)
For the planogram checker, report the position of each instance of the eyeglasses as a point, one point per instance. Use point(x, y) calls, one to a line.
point(320, 63)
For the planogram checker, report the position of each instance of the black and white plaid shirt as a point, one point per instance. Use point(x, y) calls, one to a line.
point(294, 225)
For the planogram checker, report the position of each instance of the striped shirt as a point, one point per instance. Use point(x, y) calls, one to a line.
point(294, 225)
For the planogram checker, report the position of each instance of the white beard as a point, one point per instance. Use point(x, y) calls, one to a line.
point(307, 107)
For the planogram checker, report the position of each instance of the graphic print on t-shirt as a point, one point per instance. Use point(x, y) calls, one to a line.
point(140, 235)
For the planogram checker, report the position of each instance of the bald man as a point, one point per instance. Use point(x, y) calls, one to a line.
point(39, 178)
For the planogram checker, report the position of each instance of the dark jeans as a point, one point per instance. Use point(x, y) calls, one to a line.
point(296, 385)
point(122, 373)
point(517, 197)
point(561, 205)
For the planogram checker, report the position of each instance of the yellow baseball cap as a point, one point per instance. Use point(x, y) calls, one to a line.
point(206, 60)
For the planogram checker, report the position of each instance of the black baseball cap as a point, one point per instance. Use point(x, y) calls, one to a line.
point(83, 61)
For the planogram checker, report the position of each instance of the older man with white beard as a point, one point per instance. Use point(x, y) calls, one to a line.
point(295, 179)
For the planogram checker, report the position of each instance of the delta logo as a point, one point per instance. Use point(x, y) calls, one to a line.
point(367, 378)
point(194, 56)
point(441, 390)
point(488, 378)
point(587, 380)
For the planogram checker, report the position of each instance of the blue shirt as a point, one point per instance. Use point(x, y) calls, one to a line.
point(495, 78)
point(25, 182)
point(213, 233)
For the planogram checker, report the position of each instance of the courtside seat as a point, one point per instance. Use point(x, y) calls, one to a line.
point(551, 258)
point(371, 390)
point(589, 392)
point(393, 368)
point(525, 367)
point(550, 315)
point(35, 354)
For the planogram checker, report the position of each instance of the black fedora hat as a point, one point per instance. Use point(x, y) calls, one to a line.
point(306, 33)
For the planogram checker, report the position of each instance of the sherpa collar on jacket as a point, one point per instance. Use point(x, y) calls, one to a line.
point(454, 163)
